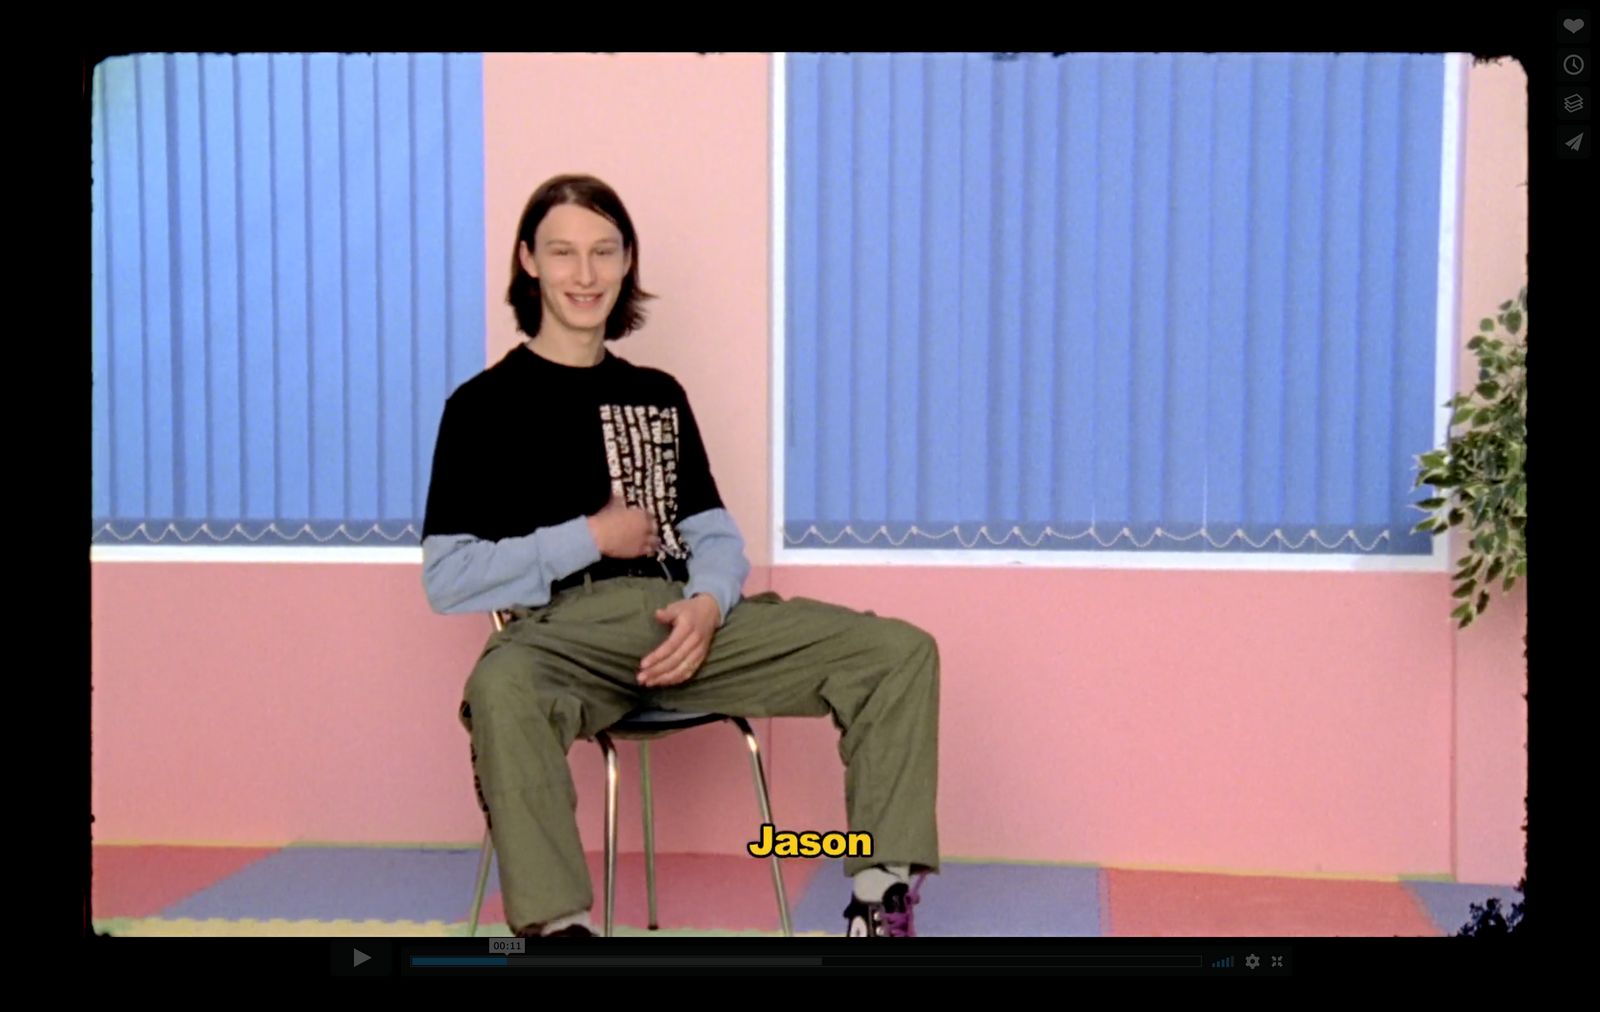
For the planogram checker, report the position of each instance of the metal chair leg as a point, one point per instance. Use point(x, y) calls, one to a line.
point(483, 881)
point(649, 830)
point(766, 816)
point(610, 751)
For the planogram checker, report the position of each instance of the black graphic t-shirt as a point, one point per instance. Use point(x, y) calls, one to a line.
point(531, 443)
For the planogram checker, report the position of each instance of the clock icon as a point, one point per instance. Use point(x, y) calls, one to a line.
point(1573, 64)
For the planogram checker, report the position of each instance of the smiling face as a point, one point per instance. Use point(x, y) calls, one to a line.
point(580, 261)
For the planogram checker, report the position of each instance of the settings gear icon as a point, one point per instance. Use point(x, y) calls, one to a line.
point(1252, 961)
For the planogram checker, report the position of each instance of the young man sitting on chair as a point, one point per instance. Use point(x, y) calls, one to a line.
point(571, 488)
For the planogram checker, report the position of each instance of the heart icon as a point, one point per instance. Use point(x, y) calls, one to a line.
point(1573, 25)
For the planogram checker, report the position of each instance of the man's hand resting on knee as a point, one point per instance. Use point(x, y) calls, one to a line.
point(694, 621)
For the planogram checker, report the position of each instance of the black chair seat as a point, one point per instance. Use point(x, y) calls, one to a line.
point(652, 721)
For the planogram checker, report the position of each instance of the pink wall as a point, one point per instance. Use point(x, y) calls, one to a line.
point(1491, 674)
point(1291, 722)
point(683, 140)
point(265, 704)
point(1180, 719)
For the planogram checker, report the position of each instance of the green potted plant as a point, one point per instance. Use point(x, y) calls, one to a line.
point(1480, 477)
point(1481, 472)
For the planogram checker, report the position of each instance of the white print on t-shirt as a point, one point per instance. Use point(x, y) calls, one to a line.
point(642, 455)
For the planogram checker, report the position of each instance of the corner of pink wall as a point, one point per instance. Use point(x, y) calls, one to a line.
point(1490, 771)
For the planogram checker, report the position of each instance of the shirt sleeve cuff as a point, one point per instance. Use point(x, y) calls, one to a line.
point(571, 546)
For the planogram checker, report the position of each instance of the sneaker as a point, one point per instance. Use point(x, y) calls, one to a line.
point(570, 931)
point(888, 919)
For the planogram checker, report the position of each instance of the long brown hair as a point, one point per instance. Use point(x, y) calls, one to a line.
point(590, 193)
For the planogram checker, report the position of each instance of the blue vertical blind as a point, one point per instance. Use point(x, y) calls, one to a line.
point(287, 283)
point(1105, 302)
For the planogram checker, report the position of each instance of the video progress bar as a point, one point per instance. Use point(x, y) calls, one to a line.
point(1183, 961)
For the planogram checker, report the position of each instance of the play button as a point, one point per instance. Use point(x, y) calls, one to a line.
point(361, 957)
